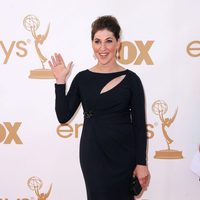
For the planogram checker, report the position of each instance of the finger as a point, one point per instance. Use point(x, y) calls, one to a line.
point(143, 181)
point(70, 63)
point(61, 59)
point(50, 64)
point(69, 66)
point(144, 178)
point(57, 58)
point(53, 61)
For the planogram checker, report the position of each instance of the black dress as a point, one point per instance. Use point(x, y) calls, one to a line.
point(113, 139)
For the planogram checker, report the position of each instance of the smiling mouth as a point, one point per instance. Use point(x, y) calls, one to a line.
point(103, 55)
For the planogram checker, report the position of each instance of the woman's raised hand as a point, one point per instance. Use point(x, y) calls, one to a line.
point(59, 69)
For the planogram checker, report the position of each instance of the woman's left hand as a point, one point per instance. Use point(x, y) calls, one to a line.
point(142, 172)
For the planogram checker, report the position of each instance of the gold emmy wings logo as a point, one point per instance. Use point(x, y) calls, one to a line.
point(35, 184)
point(31, 23)
point(159, 108)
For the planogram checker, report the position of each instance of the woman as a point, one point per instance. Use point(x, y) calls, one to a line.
point(113, 140)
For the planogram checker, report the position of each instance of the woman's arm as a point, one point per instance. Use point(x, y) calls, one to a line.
point(139, 128)
point(66, 105)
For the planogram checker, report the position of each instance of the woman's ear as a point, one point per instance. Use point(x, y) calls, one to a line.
point(118, 44)
point(118, 49)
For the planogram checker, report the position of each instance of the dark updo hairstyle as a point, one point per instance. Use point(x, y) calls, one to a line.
point(106, 22)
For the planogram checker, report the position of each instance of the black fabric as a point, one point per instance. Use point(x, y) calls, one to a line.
point(113, 139)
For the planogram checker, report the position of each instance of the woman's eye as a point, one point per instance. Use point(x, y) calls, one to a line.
point(109, 41)
point(96, 41)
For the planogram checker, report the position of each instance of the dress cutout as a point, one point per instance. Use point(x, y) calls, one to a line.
point(113, 83)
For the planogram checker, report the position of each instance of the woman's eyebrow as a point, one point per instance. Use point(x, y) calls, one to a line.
point(104, 39)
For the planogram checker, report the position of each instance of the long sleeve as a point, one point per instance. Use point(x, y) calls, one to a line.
point(138, 119)
point(67, 104)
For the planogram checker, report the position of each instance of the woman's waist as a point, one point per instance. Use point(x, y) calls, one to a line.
point(121, 116)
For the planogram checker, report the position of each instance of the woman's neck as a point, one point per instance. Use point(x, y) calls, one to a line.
point(106, 69)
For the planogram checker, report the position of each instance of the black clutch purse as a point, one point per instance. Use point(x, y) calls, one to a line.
point(135, 187)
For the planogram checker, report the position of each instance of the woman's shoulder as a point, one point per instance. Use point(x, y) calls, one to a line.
point(80, 74)
point(83, 71)
point(132, 75)
point(134, 80)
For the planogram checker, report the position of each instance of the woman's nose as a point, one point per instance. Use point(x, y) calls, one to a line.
point(102, 46)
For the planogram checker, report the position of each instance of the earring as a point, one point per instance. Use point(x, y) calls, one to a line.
point(117, 55)
point(94, 56)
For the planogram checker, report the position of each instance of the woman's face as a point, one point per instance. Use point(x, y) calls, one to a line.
point(105, 46)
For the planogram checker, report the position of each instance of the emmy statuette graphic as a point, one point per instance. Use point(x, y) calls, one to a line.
point(159, 108)
point(34, 183)
point(31, 24)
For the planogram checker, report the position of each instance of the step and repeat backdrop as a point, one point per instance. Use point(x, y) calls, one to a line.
point(160, 42)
